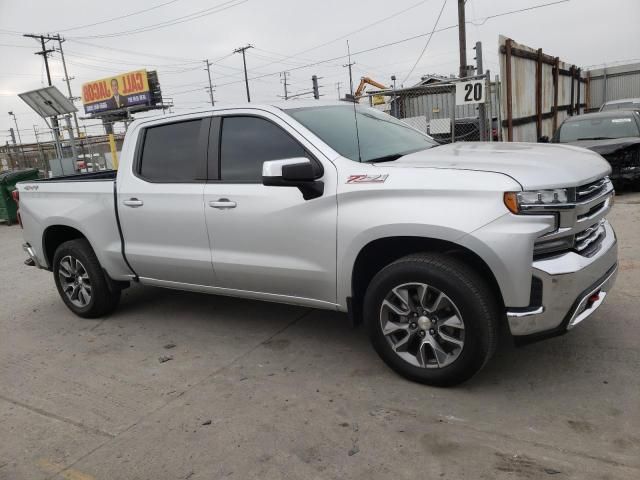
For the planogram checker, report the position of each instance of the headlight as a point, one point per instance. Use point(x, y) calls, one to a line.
point(540, 200)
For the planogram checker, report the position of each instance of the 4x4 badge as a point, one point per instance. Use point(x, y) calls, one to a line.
point(367, 178)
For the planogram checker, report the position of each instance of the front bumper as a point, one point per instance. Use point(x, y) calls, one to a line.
point(570, 288)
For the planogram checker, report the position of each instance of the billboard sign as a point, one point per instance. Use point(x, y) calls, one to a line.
point(116, 92)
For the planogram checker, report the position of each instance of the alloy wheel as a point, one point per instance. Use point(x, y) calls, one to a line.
point(422, 325)
point(75, 281)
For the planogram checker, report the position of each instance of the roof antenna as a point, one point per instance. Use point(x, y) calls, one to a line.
point(353, 99)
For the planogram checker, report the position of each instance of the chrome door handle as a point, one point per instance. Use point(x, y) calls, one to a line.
point(133, 202)
point(222, 203)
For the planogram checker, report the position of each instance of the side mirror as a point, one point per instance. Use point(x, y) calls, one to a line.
point(293, 172)
point(543, 139)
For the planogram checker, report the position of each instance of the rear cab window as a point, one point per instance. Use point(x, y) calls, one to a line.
point(173, 153)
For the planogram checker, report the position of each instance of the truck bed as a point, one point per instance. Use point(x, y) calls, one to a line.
point(84, 202)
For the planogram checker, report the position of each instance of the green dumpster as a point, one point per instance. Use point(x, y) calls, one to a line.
point(8, 180)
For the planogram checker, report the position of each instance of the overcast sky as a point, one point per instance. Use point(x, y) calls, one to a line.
point(287, 34)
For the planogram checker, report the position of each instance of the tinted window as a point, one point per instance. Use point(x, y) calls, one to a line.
point(247, 142)
point(598, 128)
point(171, 152)
point(380, 135)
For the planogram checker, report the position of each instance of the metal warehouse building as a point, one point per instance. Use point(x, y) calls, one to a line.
point(612, 83)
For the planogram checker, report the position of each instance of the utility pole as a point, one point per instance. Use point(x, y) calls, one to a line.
point(316, 90)
point(68, 79)
point(338, 87)
point(67, 119)
point(482, 123)
point(45, 168)
point(394, 110)
point(283, 77)
point(244, 62)
point(208, 65)
point(350, 64)
point(462, 38)
point(45, 55)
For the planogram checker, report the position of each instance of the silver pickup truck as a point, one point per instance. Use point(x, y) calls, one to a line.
point(341, 207)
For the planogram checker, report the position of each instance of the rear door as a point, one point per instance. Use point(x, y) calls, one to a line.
point(268, 240)
point(160, 204)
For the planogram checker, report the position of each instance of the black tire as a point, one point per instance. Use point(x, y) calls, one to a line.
point(105, 294)
point(473, 298)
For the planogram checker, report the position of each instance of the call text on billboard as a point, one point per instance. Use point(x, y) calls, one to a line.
point(116, 92)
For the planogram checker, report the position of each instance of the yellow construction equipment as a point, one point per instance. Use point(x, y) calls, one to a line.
point(364, 81)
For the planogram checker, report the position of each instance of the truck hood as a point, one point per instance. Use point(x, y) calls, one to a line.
point(532, 165)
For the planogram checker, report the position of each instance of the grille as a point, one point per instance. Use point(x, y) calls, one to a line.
point(592, 211)
point(588, 241)
point(591, 190)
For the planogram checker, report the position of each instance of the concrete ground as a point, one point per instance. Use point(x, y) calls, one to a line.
point(258, 390)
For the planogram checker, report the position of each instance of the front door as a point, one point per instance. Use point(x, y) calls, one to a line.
point(268, 240)
point(160, 204)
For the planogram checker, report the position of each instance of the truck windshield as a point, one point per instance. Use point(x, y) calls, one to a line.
point(598, 129)
point(381, 136)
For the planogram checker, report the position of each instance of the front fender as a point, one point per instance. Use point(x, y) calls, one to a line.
point(506, 246)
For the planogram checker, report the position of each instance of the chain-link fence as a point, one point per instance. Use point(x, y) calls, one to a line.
point(433, 109)
point(91, 154)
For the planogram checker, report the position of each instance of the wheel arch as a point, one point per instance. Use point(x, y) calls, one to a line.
point(54, 236)
point(381, 252)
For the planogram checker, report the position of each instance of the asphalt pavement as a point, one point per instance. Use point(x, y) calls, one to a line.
point(178, 385)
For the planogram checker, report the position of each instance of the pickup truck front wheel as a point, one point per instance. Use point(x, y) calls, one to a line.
point(81, 282)
point(431, 318)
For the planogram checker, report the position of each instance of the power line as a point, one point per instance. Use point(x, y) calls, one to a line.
point(129, 52)
point(396, 42)
point(120, 62)
point(347, 35)
point(107, 68)
point(612, 63)
point(15, 46)
point(435, 25)
point(119, 17)
point(534, 7)
point(186, 18)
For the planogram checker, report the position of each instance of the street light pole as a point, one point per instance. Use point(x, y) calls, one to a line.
point(15, 120)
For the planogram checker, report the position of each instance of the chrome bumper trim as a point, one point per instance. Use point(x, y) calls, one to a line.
point(568, 282)
point(582, 311)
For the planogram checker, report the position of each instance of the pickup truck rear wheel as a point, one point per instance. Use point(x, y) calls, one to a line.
point(81, 282)
point(431, 318)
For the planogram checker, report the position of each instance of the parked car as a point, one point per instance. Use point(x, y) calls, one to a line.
point(613, 134)
point(432, 248)
point(623, 104)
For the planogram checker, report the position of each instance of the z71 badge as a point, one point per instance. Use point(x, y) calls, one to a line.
point(367, 178)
